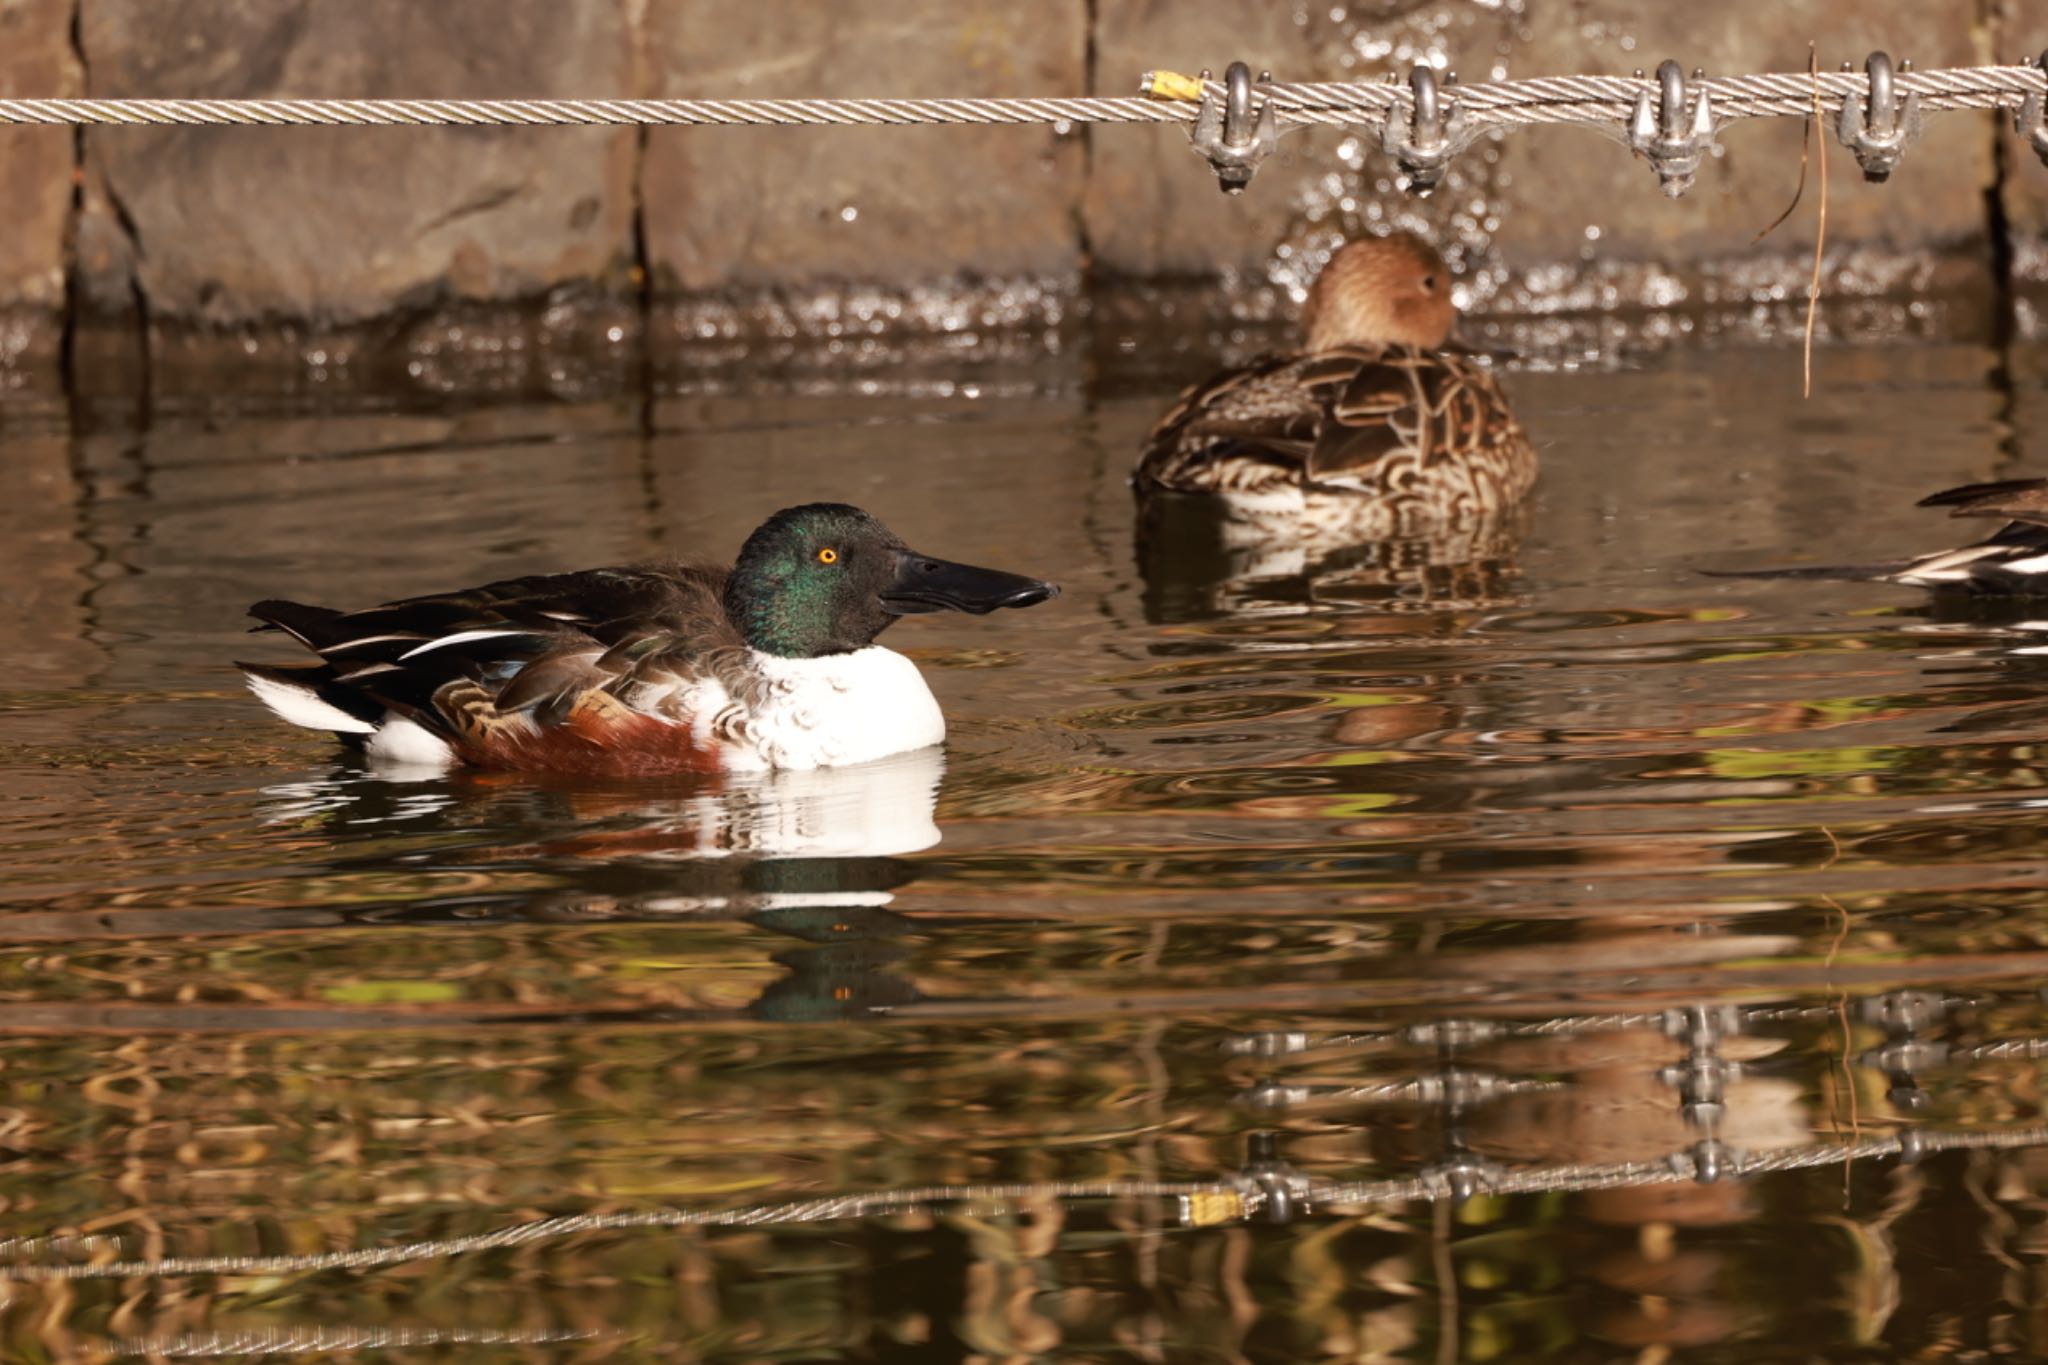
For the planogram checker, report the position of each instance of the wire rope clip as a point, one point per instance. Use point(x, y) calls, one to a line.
point(1669, 135)
point(2032, 121)
point(1879, 127)
point(1226, 133)
point(1429, 137)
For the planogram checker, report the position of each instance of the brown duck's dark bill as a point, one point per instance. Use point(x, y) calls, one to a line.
point(925, 584)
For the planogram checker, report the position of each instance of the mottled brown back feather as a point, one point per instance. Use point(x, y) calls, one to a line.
point(1378, 422)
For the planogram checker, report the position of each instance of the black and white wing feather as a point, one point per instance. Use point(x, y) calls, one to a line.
point(534, 648)
point(2011, 562)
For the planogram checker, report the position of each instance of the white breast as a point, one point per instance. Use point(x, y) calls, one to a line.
point(839, 709)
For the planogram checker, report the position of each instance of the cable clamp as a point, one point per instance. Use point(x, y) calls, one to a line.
point(1226, 133)
point(1879, 127)
point(1433, 131)
point(1670, 136)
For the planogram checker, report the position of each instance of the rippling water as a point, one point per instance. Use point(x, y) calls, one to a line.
point(1582, 958)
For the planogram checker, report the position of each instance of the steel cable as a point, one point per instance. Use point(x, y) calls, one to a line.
point(1510, 103)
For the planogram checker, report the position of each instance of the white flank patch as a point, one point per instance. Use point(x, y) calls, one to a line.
point(460, 637)
point(403, 743)
point(301, 706)
point(839, 709)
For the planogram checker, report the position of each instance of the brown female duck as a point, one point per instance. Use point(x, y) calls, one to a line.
point(1379, 430)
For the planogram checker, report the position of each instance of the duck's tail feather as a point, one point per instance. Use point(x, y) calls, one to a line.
point(307, 625)
point(310, 695)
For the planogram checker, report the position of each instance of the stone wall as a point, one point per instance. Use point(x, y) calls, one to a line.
point(187, 227)
point(216, 225)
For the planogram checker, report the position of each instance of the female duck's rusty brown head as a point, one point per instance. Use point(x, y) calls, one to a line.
point(1382, 291)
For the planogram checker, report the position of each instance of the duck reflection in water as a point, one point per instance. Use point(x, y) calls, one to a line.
point(814, 854)
point(1380, 458)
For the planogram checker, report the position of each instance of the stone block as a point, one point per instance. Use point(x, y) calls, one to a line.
point(1543, 197)
point(2024, 186)
point(1568, 195)
point(751, 208)
point(2025, 189)
point(1153, 205)
point(222, 226)
point(36, 59)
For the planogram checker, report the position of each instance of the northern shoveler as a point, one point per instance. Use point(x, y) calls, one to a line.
point(2012, 562)
point(1379, 430)
point(646, 669)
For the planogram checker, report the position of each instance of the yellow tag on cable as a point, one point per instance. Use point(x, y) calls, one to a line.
point(1170, 85)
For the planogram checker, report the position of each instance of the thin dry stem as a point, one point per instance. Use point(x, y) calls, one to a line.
point(1798, 191)
point(1820, 238)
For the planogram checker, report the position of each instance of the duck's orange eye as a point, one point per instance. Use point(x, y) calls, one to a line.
point(828, 555)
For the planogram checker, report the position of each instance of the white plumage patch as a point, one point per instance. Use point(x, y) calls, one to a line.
point(395, 741)
point(403, 743)
point(302, 706)
point(838, 709)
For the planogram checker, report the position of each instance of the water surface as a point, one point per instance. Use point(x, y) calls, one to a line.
point(1242, 928)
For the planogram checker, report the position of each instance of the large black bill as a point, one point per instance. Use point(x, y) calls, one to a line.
point(926, 584)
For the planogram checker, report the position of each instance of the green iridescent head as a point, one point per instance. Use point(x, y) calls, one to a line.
point(826, 578)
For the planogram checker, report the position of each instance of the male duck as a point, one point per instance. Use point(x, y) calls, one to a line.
point(648, 669)
point(1378, 431)
point(2012, 562)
